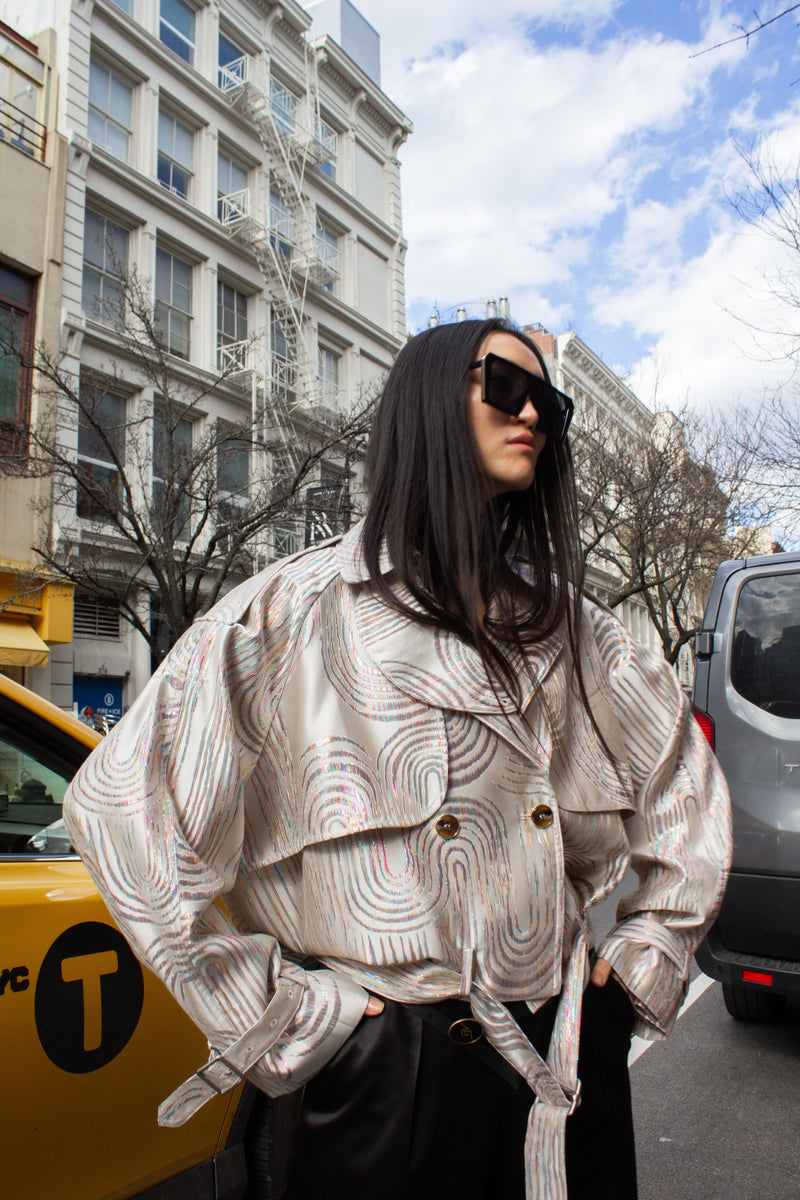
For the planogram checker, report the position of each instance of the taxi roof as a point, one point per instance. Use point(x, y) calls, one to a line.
point(49, 712)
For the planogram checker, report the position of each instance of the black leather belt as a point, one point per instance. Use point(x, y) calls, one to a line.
point(454, 1019)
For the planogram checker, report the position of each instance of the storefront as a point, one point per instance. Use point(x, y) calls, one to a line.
point(35, 613)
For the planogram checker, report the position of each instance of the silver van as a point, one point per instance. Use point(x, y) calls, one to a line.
point(747, 701)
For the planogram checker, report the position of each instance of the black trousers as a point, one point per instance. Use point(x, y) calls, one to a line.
point(403, 1113)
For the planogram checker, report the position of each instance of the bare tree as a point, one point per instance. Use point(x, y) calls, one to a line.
point(745, 34)
point(660, 508)
point(770, 432)
point(158, 507)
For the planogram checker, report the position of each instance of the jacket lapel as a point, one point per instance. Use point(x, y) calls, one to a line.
point(434, 666)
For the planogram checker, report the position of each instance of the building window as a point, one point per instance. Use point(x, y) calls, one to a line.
point(101, 448)
point(177, 28)
point(328, 375)
point(232, 65)
point(172, 446)
point(284, 541)
point(93, 618)
point(329, 138)
point(17, 320)
point(110, 107)
point(281, 225)
point(173, 302)
point(20, 100)
point(328, 253)
point(232, 192)
point(232, 343)
point(125, 5)
point(105, 265)
point(283, 106)
point(175, 154)
point(233, 476)
point(284, 359)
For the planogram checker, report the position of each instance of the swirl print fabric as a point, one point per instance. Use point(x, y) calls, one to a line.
point(346, 781)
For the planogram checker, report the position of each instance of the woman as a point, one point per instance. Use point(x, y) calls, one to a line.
point(409, 760)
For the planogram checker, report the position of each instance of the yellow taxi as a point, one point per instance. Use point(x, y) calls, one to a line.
point(91, 1042)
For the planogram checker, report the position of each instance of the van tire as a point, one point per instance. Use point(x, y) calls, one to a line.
point(748, 1004)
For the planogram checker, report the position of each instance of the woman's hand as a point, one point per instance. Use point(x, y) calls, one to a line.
point(601, 973)
point(375, 1005)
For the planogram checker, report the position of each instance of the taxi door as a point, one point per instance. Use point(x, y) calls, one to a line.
point(91, 1042)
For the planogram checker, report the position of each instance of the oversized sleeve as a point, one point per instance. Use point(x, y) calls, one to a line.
point(679, 832)
point(157, 813)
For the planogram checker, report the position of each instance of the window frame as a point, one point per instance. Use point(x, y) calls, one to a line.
point(171, 307)
point(165, 113)
point(230, 498)
point(232, 78)
point(327, 134)
point(102, 271)
point(284, 115)
point(329, 395)
point(329, 252)
point(180, 444)
point(14, 430)
point(239, 361)
point(98, 516)
point(99, 64)
point(235, 208)
point(191, 43)
point(281, 226)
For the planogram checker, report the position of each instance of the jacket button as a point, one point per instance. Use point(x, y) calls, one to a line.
point(447, 826)
point(542, 816)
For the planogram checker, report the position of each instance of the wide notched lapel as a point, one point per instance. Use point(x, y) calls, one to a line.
point(434, 666)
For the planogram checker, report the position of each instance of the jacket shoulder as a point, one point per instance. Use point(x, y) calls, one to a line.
point(298, 579)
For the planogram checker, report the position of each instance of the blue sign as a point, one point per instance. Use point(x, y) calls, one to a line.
point(101, 693)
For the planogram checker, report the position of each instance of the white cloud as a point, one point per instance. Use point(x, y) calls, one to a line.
point(414, 29)
point(593, 162)
point(522, 153)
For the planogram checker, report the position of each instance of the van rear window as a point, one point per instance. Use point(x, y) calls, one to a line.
point(765, 660)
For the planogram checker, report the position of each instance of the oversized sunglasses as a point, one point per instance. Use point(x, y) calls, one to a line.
point(507, 387)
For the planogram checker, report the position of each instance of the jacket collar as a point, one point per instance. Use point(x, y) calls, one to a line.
point(432, 665)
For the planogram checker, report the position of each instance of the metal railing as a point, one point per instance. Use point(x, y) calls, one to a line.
point(234, 75)
point(233, 357)
point(233, 207)
point(22, 131)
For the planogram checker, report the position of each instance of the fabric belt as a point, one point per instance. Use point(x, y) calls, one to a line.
point(454, 1019)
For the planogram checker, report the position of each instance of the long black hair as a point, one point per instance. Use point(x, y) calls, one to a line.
point(501, 575)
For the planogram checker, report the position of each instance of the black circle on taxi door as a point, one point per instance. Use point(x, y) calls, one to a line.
point(88, 999)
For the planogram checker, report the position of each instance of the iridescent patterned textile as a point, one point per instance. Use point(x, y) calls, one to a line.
point(293, 758)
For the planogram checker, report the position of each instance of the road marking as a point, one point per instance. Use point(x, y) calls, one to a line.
point(701, 984)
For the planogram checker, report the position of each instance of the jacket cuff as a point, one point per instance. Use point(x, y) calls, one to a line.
point(310, 1015)
point(652, 979)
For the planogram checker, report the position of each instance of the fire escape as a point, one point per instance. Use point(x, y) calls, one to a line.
point(277, 222)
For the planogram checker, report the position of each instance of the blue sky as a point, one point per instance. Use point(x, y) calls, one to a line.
point(574, 156)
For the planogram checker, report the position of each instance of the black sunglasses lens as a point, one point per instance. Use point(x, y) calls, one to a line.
point(506, 386)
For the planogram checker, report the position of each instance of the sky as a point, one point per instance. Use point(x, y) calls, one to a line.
point(583, 158)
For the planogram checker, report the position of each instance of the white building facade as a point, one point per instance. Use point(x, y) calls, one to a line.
point(601, 397)
point(250, 174)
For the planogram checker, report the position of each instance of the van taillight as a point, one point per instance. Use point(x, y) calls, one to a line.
point(706, 723)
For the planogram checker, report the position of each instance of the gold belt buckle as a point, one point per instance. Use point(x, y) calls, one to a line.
point(465, 1032)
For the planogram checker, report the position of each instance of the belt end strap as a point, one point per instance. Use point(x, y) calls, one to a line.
point(224, 1071)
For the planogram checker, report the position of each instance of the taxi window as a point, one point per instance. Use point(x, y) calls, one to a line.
point(33, 780)
point(765, 658)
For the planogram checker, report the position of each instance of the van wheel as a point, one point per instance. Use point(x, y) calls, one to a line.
point(747, 1004)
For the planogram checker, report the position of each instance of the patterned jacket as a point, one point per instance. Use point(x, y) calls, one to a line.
point(311, 773)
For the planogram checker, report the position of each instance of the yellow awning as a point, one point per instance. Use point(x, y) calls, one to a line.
point(20, 645)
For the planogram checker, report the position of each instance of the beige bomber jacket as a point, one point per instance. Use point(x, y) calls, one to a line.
point(278, 791)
